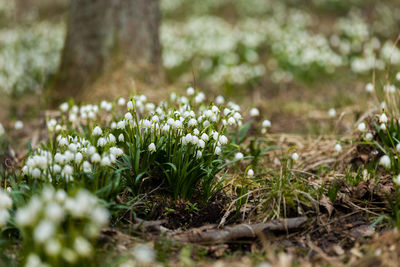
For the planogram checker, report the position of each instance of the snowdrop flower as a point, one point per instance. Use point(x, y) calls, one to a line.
point(144, 254)
point(36, 173)
point(5, 200)
point(43, 231)
point(121, 101)
point(266, 124)
point(223, 140)
point(121, 125)
point(68, 170)
point(4, 216)
point(295, 157)
point(82, 246)
point(205, 137)
point(332, 112)
point(105, 161)
point(369, 136)
point(199, 154)
point(63, 141)
point(231, 121)
point(190, 91)
point(362, 127)
point(254, 112)
point(383, 118)
point(217, 150)
point(111, 138)
point(220, 100)
point(113, 125)
point(64, 107)
point(87, 167)
point(338, 148)
point(385, 161)
point(128, 116)
point(101, 142)
point(201, 143)
point(239, 156)
point(121, 138)
point(192, 122)
point(97, 131)
point(382, 126)
point(129, 105)
point(152, 147)
point(95, 157)
point(18, 125)
point(250, 173)
point(397, 180)
point(78, 157)
point(369, 87)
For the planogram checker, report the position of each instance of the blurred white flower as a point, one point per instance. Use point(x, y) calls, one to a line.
point(18, 125)
point(254, 112)
point(152, 147)
point(295, 156)
point(362, 127)
point(250, 173)
point(385, 161)
point(332, 112)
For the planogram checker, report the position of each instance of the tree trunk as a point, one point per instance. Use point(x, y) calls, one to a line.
point(102, 32)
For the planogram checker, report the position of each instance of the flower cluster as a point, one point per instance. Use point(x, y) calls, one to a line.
point(46, 217)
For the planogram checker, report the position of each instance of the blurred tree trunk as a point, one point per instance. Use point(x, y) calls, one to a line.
point(103, 33)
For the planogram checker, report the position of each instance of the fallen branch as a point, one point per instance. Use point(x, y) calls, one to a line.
point(150, 226)
point(239, 231)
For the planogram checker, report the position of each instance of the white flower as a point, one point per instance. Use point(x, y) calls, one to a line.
point(78, 157)
point(121, 138)
point(362, 127)
point(95, 157)
point(398, 76)
point(106, 161)
point(54, 212)
point(82, 246)
point(250, 173)
point(295, 156)
point(205, 137)
point(199, 154)
point(101, 142)
point(338, 148)
point(217, 150)
point(239, 156)
point(4, 216)
point(128, 116)
point(64, 107)
point(219, 100)
point(52, 247)
point(332, 112)
point(369, 136)
point(266, 124)
point(382, 126)
point(43, 231)
point(201, 143)
point(144, 254)
point(36, 173)
point(111, 138)
point(67, 170)
point(369, 87)
point(383, 118)
point(254, 112)
point(18, 125)
point(129, 105)
point(397, 180)
point(190, 91)
point(121, 101)
point(385, 161)
point(231, 121)
point(152, 147)
point(97, 131)
point(87, 167)
point(5, 200)
point(192, 122)
point(223, 140)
